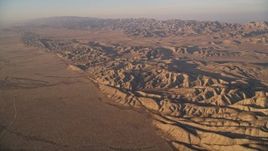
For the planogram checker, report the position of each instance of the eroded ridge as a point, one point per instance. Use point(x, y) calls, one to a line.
point(196, 101)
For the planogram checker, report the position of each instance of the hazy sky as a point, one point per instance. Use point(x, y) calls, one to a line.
point(222, 10)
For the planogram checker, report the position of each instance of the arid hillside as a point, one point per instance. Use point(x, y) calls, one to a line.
point(205, 84)
point(47, 104)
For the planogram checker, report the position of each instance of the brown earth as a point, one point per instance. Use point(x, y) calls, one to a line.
point(44, 105)
point(205, 84)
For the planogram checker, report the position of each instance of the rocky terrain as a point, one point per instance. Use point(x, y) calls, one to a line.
point(204, 83)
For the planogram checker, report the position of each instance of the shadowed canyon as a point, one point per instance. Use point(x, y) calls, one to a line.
point(202, 85)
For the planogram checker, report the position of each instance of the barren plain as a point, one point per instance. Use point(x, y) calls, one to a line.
point(46, 106)
point(204, 84)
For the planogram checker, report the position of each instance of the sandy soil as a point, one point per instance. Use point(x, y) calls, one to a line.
point(204, 84)
point(45, 106)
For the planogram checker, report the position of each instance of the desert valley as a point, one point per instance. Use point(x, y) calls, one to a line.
point(203, 84)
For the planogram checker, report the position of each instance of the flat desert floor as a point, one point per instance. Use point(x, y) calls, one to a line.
point(46, 106)
point(87, 83)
